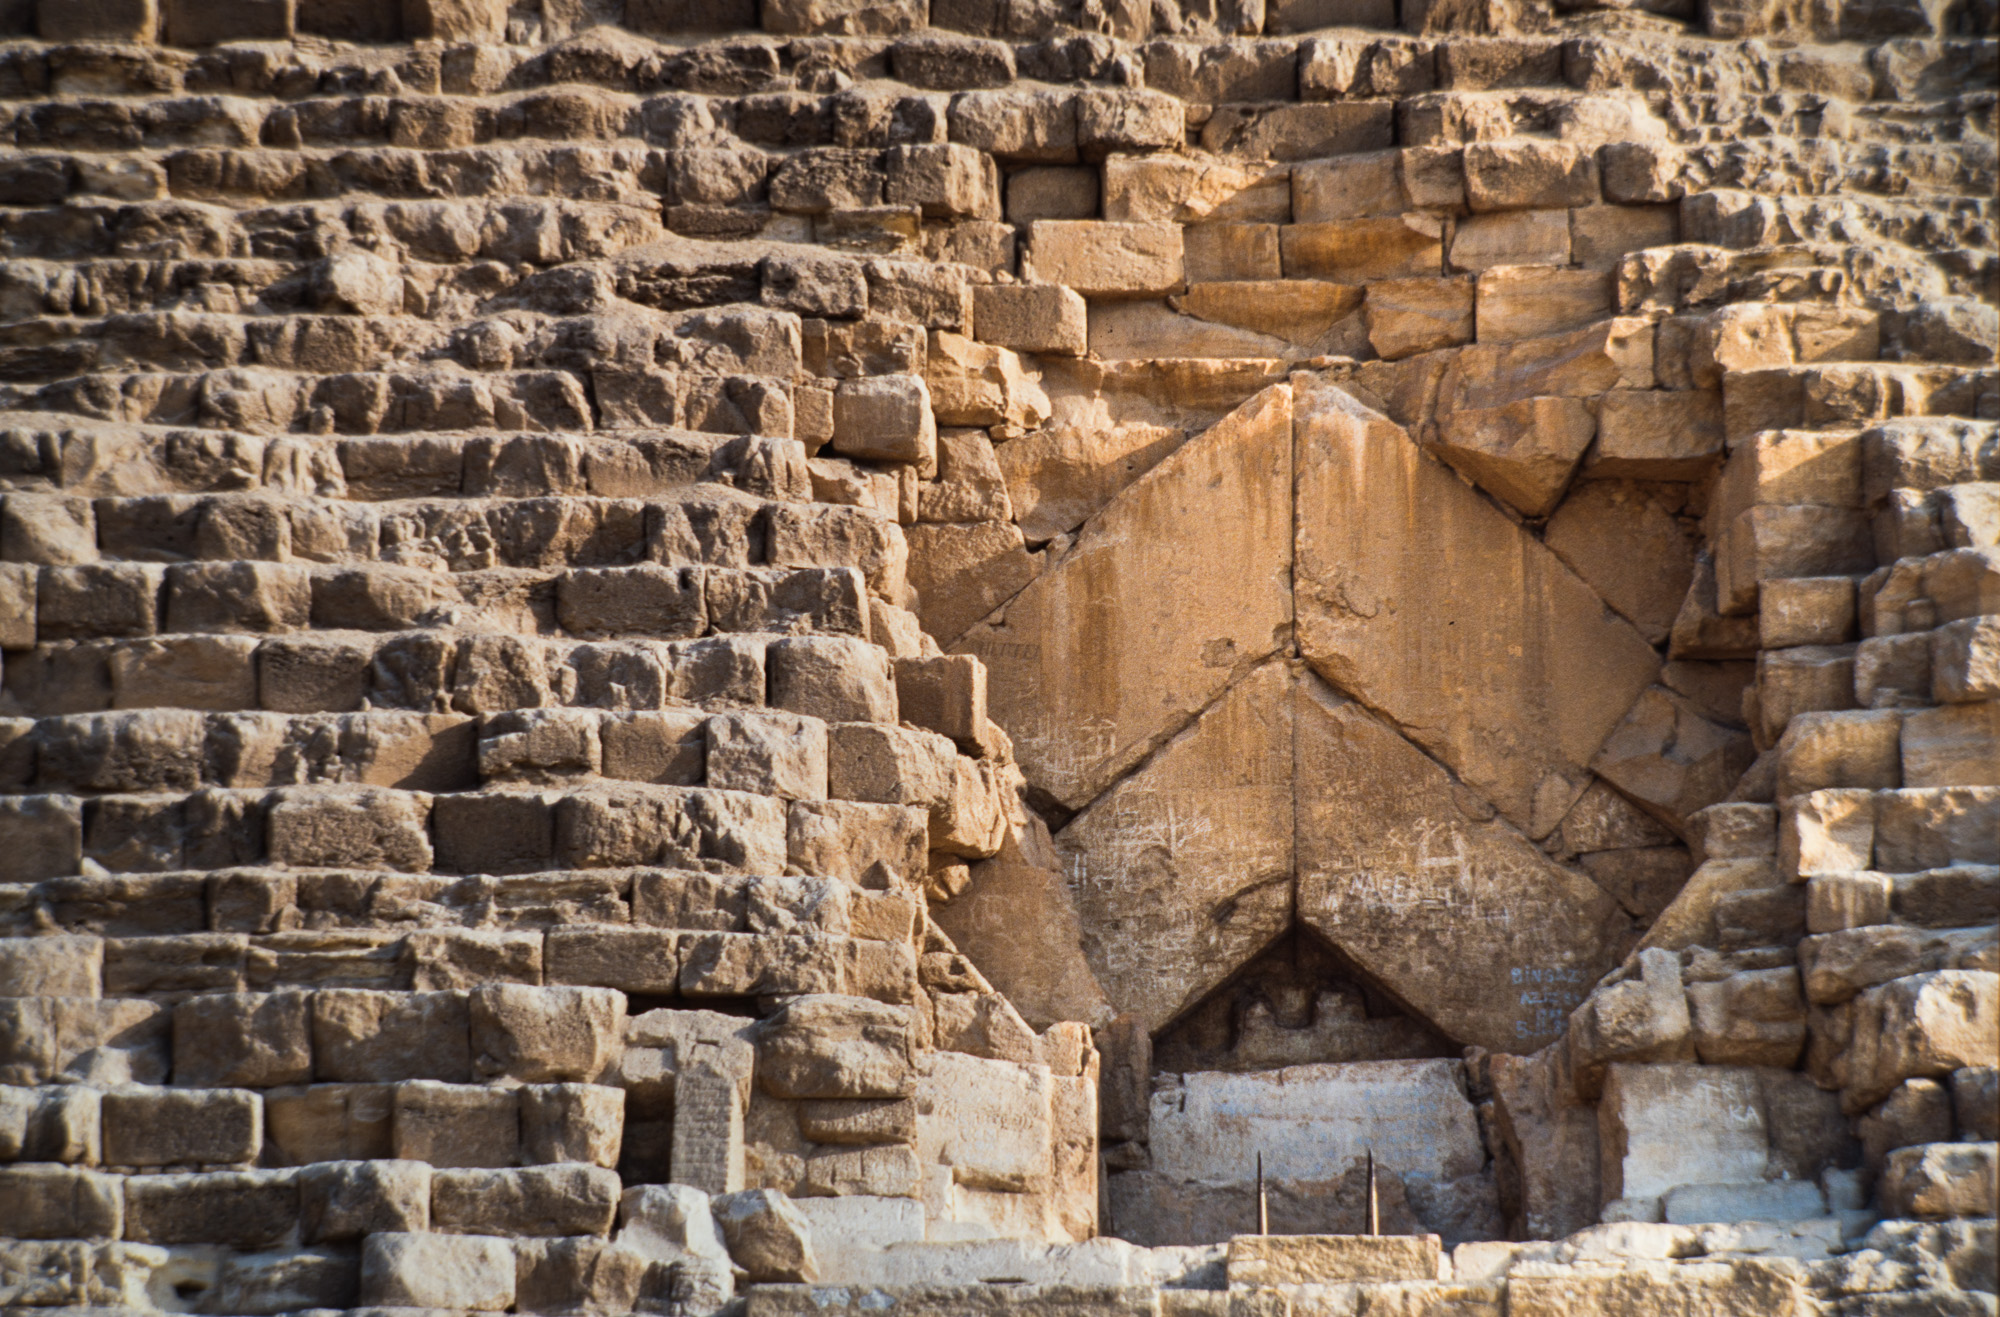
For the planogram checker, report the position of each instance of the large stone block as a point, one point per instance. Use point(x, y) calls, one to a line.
point(1256, 1261)
point(988, 1121)
point(1921, 1026)
point(1182, 871)
point(545, 1035)
point(1513, 685)
point(836, 1047)
point(1104, 657)
point(1669, 1125)
point(1100, 259)
point(169, 1127)
point(464, 1272)
point(531, 1201)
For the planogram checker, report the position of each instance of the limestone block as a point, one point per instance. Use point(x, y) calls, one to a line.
point(767, 1237)
point(1523, 452)
point(1181, 871)
point(1128, 577)
point(771, 754)
point(1841, 964)
point(1729, 1289)
point(365, 827)
point(885, 417)
point(1670, 758)
point(1642, 1019)
point(1975, 1100)
point(554, 1274)
point(47, 832)
point(1941, 1180)
point(368, 1036)
point(1522, 174)
point(539, 745)
point(341, 1201)
point(1827, 831)
point(166, 1127)
point(59, 1202)
point(889, 764)
point(1664, 1126)
point(1840, 750)
point(1610, 354)
point(57, 965)
point(1626, 541)
point(1376, 617)
point(572, 1123)
point(545, 1035)
point(1409, 316)
point(872, 846)
point(88, 602)
point(106, 20)
point(1105, 259)
point(639, 960)
point(944, 180)
point(1919, 1111)
point(1515, 237)
point(466, 1272)
point(1803, 679)
point(1663, 435)
point(237, 596)
point(987, 1120)
point(55, 529)
point(328, 1122)
point(1601, 236)
point(238, 1209)
point(1365, 250)
point(832, 678)
point(456, 1124)
point(1030, 127)
point(646, 600)
point(59, 1123)
point(1756, 1017)
point(1921, 1026)
point(1527, 301)
point(249, 1040)
point(1965, 661)
point(876, 1172)
point(666, 747)
point(835, 1047)
point(1159, 187)
point(1053, 193)
point(1255, 1261)
point(660, 825)
point(1222, 252)
point(1348, 187)
point(1411, 1113)
point(1837, 901)
point(1810, 610)
point(962, 573)
point(1954, 745)
point(1030, 317)
point(531, 1201)
point(1930, 827)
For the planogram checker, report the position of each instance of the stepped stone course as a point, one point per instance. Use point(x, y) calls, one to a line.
point(937, 657)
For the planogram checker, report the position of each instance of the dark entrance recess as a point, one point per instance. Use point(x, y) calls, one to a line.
point(1299, 1001)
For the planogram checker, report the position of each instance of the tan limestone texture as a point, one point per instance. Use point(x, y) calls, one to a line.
point(693, 657)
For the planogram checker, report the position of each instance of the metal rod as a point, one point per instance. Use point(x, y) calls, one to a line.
point(1374, 1204)
point(1263, 1206)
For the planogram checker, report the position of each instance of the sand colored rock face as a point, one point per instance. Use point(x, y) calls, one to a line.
point(697, 656)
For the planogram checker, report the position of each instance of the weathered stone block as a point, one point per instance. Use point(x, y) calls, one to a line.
point(341, 1201)
point(535, 1200)
point(465, 1272)
point(169, 1127)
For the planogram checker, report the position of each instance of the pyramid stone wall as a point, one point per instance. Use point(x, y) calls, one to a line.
point(649, 650)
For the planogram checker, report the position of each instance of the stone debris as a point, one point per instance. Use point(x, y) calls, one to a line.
point(685, 657)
